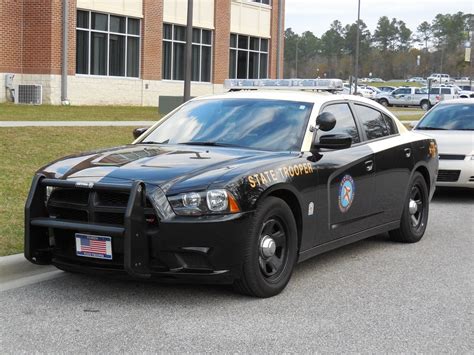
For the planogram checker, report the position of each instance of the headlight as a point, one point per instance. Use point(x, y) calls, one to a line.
point(204, 202)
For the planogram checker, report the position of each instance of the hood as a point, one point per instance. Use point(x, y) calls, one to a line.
point(165, 165)
point(452, 142)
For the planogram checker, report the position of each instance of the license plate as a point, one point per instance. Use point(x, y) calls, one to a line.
point(94, 246)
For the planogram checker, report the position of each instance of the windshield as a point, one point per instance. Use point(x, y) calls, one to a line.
point(274, 125)
point(449, 117)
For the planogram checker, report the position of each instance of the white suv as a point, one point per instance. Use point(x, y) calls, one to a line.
point(440, 78)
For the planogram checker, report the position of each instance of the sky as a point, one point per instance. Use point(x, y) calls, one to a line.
point(317, 15)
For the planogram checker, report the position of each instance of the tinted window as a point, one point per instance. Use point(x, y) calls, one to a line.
point(345, 123)
point(372, 121)
point(391, 126)
point(446, 91)
point(449, 117)
point(275, 125)
point(434, 91)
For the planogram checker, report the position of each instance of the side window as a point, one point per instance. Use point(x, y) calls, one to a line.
point(373, 122)
point(405, 91)
point(392, 128)
point(446, 91)
point(344, 121)
point(434, 91)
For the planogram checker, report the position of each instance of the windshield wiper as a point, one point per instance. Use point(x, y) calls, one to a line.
point(432, 128)
point(153, 142)
point(211, 144)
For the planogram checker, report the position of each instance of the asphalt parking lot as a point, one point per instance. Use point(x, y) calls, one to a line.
point(373, 296)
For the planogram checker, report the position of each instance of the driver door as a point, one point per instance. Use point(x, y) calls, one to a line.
point(345, 194)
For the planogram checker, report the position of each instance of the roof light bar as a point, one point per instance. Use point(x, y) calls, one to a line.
point(284, 84)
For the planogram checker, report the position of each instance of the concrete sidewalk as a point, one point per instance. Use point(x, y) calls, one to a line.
point(76, 123)
point(16, 271)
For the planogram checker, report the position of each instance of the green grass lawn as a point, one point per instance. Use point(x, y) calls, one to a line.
point(23, 151)
point(395, 83)
point(12, 112)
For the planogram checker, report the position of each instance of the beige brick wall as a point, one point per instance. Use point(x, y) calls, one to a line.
point(30, 47)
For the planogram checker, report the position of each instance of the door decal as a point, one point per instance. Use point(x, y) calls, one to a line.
point(346, 193)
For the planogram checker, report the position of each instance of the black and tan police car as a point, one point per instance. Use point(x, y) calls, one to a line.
point(236, 188)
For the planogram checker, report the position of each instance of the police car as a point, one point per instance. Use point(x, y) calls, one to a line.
point(236, 188)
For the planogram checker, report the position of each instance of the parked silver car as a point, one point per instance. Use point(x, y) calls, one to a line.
point(451, 123)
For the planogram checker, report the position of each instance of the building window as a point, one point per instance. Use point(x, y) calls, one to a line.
point(107, 45)
point(248, 57)
point(174, 43)
point(266, 2)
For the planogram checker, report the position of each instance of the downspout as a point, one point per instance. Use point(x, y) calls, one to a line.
point(65, 46)
point(280, 38)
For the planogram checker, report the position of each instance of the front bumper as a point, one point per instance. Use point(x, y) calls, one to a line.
point(456, 173)
point(203, 249)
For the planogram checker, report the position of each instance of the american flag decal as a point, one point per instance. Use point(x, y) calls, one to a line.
point(94, 246)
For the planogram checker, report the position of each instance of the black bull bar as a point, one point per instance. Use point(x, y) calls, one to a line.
point(133, 232)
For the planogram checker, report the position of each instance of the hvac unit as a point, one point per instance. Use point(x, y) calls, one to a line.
point(29, 94)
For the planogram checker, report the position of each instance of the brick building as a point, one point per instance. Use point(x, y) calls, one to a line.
point(132, 51)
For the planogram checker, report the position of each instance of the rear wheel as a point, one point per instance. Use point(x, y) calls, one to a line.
point(415, 213)
point(425, 105)
point(271, 250)
point(383, 102)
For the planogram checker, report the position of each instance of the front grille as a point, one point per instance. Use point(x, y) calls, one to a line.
point(471, 179)
point(112, 199)
point(448, 175)
point(451, 157)
point(94, 206)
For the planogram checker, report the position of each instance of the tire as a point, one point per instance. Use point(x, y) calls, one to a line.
point(264, 275)
point(413, 222)
point(383, 102)
point(425, 105)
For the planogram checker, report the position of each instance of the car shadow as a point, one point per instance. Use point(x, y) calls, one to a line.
point(143, 292)
point(453, 195)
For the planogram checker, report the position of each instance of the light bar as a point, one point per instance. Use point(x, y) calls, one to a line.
point(283, 84)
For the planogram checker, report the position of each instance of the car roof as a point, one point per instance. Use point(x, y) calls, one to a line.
point(457, 101)
point(288, 95)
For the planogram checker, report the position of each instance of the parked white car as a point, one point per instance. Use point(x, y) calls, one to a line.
point(451, 123)
point(408, 96)
point(360, 91)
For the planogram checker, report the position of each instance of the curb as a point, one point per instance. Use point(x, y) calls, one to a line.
point(16, 271)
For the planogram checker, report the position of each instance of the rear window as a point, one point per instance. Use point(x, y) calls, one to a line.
point(376, 125)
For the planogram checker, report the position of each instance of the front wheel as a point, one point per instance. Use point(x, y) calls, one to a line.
point(415, 212)
point(271, 250)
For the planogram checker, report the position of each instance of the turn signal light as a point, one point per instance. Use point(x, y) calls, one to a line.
point(233, 205)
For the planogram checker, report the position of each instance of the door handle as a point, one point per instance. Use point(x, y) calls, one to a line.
point(407, 152)
point(369, 165)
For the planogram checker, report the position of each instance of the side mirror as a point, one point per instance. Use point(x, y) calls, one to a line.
point(326, 121)
point(137, 132)
point(334, 141)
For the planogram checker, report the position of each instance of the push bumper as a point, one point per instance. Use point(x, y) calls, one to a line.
point(204, 249)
